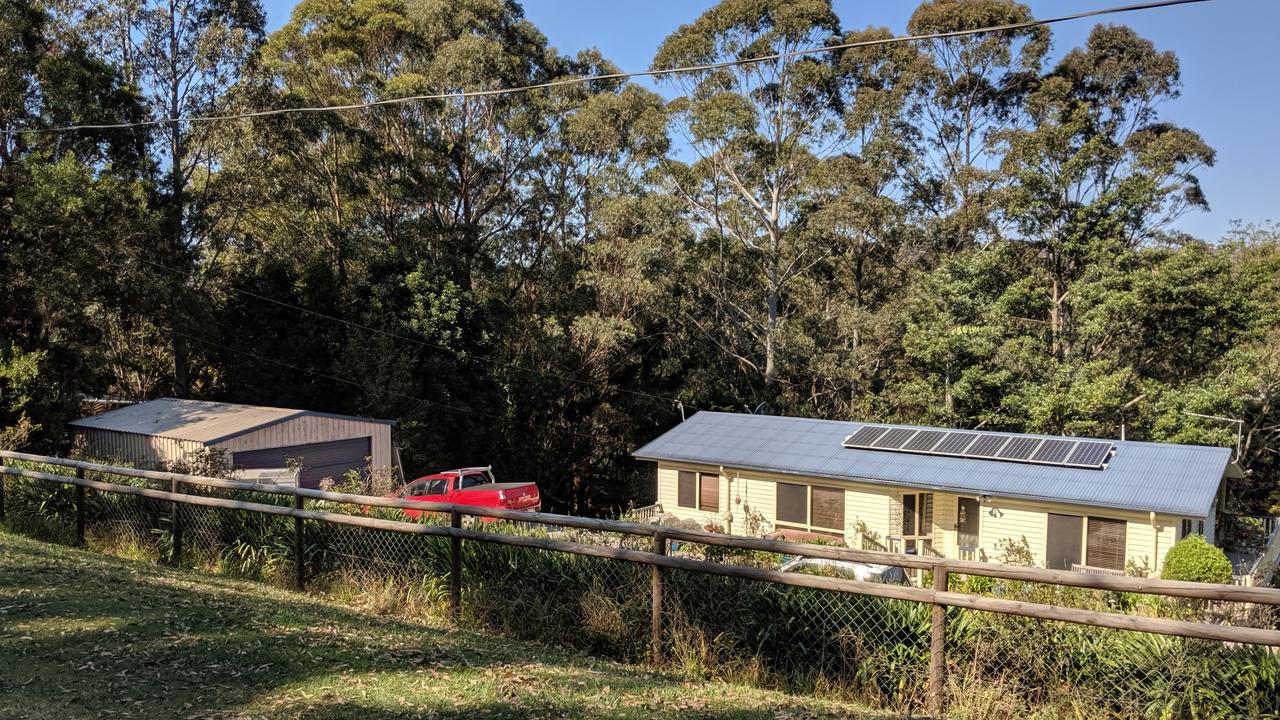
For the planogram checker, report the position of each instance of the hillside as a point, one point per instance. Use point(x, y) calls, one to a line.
point(87, 636)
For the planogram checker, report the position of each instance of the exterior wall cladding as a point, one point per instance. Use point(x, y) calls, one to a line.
point(873, 516)
point(154, 451)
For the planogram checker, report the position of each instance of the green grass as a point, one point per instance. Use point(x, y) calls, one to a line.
point(88, 636)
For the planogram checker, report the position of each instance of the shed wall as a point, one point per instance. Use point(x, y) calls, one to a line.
point(316, 429)
point(144, 451)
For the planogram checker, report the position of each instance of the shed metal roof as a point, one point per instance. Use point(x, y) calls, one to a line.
point(197, 420)
point(1142, 476)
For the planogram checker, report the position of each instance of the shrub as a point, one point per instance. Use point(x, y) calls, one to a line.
point(1193, 558)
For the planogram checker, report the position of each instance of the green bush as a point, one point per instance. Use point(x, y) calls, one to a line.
point(1193, 558)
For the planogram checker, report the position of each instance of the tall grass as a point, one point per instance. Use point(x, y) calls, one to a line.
point(869, 649)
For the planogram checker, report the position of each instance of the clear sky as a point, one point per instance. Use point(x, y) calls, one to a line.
point(1228, 49)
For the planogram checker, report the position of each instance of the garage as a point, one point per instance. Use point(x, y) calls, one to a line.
point(316, 461)
point(160, 433)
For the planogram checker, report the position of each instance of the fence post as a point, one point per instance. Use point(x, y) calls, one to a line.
point(1, 498)
point(299, 554)
point(938, 643)
point(175, 558)
point(80, 509)
point(655, 599)
point(455, 568)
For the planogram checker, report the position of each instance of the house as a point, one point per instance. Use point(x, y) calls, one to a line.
point(1079, 503)
point(159, 432)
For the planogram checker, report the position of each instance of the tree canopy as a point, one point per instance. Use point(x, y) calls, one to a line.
point(976, 231)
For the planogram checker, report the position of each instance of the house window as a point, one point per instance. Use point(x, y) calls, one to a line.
point(1191, 527)
point(816, 509)
point(1105, 543)
point(687, 490)
point(709, 494)
point(698, 491)
point(917, 519)
point(793, 503)
point(827, 508)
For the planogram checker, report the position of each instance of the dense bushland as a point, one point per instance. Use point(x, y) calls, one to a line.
point(977, 230)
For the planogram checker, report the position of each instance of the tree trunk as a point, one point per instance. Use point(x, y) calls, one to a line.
point(181, 381)
point(1055, 317)
point(770, 338)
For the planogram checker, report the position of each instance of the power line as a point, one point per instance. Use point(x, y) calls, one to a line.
point(445, 348)
point(462, 94)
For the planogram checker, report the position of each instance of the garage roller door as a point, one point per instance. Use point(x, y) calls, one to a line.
point(319, 460)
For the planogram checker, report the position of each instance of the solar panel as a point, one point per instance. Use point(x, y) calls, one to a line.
point(865, 436)
point(1089, 454)
point(954, 443)
point(1053, 451)
point(924, 440)
point(1063, 452)
point(893, 439)
point(1019, 448)
point(986, 446)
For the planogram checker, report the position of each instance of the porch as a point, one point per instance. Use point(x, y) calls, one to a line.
point(1252, 544)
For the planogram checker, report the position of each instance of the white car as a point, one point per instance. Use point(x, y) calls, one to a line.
point(865, 572)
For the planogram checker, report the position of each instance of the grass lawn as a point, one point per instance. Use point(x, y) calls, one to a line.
point(88, 636)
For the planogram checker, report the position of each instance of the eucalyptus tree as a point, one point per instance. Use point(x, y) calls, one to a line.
point(774, 138)
point(1097, 173)
point(969, 89)
point(69, 203)
point(448, 214)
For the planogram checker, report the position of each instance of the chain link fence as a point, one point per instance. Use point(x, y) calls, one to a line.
point(873, 650)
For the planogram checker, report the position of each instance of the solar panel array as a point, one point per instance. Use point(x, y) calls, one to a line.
point(1065, 452)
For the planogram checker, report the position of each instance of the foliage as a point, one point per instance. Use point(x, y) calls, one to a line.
point(967, 231)
point(1193, 558)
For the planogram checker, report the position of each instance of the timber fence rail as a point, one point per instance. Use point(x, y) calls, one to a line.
point(971, 637)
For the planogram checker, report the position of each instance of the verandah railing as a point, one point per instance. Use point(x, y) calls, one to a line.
point(836, 616)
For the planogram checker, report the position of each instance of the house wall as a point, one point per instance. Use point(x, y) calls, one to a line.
point(872, 507)
point(315, 429)
point(143, 451)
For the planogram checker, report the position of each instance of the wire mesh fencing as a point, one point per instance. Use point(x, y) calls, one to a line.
point(875, 650)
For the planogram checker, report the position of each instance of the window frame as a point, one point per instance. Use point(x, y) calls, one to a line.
point(1089, 556)
point(808, 525)
point(1191, 526)
point(706, 480)
point(683, 476)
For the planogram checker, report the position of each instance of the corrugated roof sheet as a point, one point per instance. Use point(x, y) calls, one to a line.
point(1143, 476)
point(197, 420)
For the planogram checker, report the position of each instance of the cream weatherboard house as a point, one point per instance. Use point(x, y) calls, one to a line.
point(1079, 504)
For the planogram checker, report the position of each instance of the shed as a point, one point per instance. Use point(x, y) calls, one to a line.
point(159, 432)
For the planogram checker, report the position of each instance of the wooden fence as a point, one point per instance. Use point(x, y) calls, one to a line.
point(938, 595)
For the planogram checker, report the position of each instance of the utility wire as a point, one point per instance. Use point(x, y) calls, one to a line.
point(445, 348)
point(656, 72)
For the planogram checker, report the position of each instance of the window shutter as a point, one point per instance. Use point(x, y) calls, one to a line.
point(926, 514)
point(828, 508)
point(709, 498)
point(793, 503)
point(687, 492)
point(1104, 544)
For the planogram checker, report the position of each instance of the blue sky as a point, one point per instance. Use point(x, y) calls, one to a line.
point(1227, 48)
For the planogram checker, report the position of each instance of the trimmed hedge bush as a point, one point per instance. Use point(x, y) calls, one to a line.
point(1193, 558)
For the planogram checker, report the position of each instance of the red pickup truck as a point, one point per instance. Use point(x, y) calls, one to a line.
point(471, 486)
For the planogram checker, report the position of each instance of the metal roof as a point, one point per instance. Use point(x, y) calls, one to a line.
point(1143, 476)
point(197, 420)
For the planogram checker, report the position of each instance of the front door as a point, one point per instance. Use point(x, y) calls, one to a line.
point(1063, 547)
point(967, 511)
